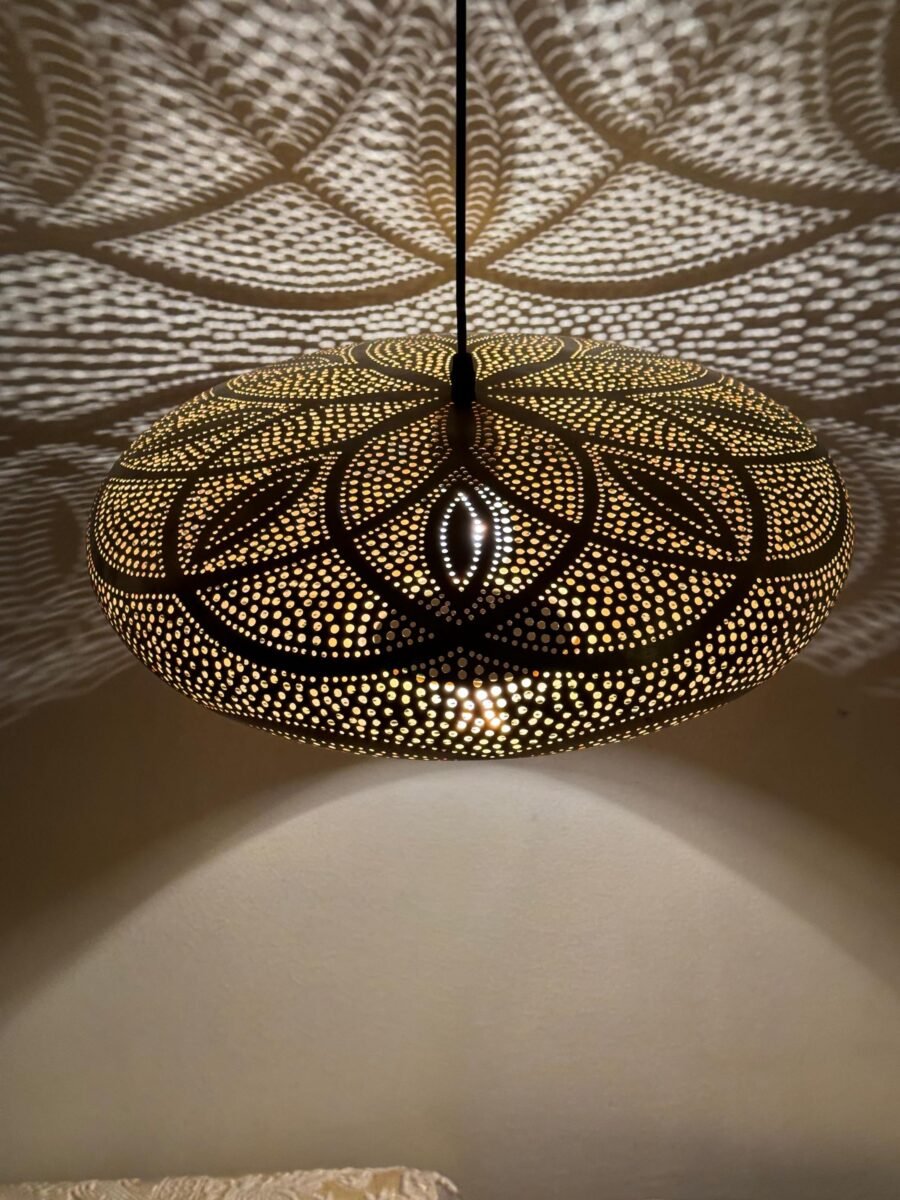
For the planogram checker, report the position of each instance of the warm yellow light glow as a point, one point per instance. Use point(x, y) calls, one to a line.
point(628, 540)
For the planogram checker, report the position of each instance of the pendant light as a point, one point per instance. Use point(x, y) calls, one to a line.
point(474, 548)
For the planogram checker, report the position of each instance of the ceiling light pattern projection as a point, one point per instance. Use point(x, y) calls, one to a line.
point(189, 191)
point(612, 541)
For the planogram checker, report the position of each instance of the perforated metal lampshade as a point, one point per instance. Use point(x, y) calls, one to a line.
point(610, 541)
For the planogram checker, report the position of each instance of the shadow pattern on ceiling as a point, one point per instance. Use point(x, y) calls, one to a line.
point(190, 190)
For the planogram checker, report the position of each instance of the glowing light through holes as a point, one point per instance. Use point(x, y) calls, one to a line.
point(630, 540)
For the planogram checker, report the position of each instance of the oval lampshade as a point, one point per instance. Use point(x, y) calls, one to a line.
point(610, 541)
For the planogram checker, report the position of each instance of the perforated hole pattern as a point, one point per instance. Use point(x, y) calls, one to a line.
point(325, 549)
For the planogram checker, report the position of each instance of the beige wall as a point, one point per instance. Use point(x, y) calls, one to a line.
point(666, 968)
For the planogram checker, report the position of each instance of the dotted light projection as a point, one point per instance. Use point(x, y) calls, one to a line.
point(612, 541)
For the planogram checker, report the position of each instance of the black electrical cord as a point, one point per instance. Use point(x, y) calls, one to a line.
point(462, 367)
point(461, 177)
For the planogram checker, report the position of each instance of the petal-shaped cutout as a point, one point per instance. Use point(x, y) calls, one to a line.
point(461, 545)
point(677, 504)
point(266, 514)
point(410, 457)
point(535, 467)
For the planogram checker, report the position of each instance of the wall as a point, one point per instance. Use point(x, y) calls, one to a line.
point(667, 968)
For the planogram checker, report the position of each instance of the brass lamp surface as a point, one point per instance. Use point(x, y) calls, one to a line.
point(610, 541)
